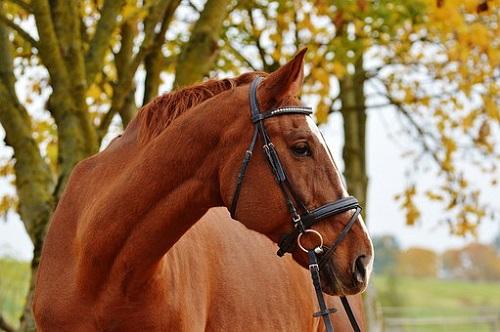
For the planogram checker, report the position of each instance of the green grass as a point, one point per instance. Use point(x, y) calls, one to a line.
point(14, 283)
point(437, 293)
point(406, 297)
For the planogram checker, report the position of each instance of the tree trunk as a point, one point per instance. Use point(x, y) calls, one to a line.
point(27, 319)
point(354, 115)
point(353, 111)
point(34, 180)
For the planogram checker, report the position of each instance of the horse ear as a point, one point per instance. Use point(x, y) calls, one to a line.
point(286, 81)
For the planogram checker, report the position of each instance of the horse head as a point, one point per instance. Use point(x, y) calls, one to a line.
point(274, 204)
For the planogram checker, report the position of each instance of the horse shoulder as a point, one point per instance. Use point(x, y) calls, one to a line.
point(239, 283)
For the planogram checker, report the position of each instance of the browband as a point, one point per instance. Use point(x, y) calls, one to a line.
point(282, 111)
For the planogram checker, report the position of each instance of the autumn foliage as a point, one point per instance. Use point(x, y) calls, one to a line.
point(418, 262)
point(473, 262)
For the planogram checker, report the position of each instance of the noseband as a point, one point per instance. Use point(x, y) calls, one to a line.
point(302, 218)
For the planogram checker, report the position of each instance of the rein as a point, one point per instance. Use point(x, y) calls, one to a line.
point(302, 218)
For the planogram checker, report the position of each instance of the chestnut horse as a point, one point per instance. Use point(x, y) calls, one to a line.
point(112, 259)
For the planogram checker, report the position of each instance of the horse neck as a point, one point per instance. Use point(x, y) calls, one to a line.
point(166, 187)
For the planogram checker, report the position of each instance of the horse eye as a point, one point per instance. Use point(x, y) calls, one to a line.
point(301, 150)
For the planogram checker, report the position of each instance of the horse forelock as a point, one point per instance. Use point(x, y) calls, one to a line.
point(157, 115)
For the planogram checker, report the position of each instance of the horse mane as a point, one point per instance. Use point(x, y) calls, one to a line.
point(158, 114)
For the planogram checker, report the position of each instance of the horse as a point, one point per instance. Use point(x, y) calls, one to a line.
point(115, 256)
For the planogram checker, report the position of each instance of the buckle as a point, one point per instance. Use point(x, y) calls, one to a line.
point(314, 267)
point(325, 312)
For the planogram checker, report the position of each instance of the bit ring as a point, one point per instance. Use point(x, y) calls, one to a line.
point(313, 232)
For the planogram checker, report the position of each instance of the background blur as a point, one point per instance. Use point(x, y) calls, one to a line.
point(406, 93)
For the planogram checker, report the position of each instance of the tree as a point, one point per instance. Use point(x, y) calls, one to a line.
point(418, 262)
point(496, 241)
point(452, 264)
point(441, 78)
point(82, 58)
point(450, 105)
point(387, 249)
point(473, 262)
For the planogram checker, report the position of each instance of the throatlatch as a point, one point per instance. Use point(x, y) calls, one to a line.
point(302, 218)
point(324, 311)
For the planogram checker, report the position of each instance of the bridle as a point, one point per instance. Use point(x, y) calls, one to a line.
point(302, 218)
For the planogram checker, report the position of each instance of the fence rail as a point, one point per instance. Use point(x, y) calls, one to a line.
point(472, 320)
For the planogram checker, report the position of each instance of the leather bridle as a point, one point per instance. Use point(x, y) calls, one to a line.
point(302, 217)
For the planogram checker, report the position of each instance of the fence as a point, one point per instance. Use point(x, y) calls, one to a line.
point(473, 319)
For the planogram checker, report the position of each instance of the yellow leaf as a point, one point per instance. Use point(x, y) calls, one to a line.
point(468, 120)
point(94, 92)
point(433, 196)
point(322, 113)
point(492, 109)
point(321, 75)
point(338, 69)
point(7, 203)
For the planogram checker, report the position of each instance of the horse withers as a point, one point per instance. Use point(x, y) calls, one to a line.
point(105, 262)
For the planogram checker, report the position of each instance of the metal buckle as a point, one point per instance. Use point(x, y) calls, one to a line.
point(318, 250)
point(297, 222)
point(310, 231)
point(314, 267)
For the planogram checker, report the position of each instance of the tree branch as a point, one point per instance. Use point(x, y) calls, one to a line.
point(153, 62)
point(66, 18)
point(155, 15)
point(195, 7)
point(49, 44)
point(257, 35)
point(122, 61)
point(94, 59)
point(22, 33)
point(238, 54)
point(6, 63)
point(424, 134)
point(125, 84)
point(24, 5)
point(200, 52)
point(296, 31)
point(34, 181)
point(77, 136)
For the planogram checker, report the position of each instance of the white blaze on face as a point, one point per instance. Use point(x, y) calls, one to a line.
point(315, 130)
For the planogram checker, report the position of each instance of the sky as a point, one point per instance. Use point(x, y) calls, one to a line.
point(386, 171)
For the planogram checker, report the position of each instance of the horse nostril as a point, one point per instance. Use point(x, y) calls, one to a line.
point(360, 265)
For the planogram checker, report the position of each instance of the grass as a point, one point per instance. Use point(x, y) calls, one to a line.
point(14, 283)
point(408, 298)
point(437, 293)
